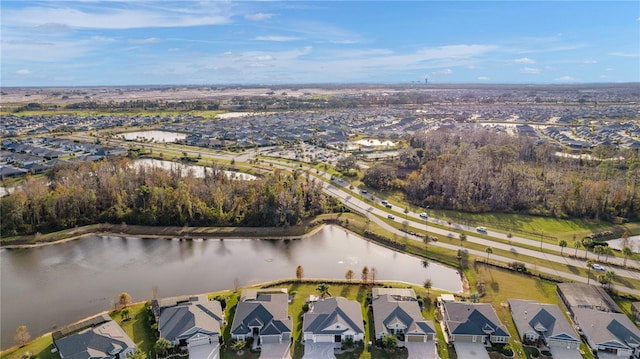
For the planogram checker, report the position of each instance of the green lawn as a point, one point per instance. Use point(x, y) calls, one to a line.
point(39, 348)
point(138, 327)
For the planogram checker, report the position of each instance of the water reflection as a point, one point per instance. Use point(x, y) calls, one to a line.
point(85, 276)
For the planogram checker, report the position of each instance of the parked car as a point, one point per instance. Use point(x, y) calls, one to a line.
point(598, 267)
point(391, 216)
point(424, 215)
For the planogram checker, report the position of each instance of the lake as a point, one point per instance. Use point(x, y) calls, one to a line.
point(58, 284)
point(153, 136)
point(197, 171)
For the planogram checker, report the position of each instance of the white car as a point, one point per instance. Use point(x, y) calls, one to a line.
point(391, 217)
point(598, 267)
point(424, 215)
point(481, 229)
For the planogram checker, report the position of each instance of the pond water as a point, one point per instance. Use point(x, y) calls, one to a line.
point(198, 171)
point(58, 284)
point(154, 136)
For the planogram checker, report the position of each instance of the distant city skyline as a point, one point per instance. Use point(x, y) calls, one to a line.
point(110, 43)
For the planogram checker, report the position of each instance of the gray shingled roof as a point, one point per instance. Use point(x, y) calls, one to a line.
point(607, 328)
point(473, 319)
point(185, 319)
point(580, 295)
point(390, 308)
point(262, 308)
point(102, 341)
point(329, 312)
point(547, 319)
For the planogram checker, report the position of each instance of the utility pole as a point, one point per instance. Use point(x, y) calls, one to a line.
point(541, 237)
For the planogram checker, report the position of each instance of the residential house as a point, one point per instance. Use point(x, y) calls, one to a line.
point(262, 314)
point(543, 324)
point(96, 338)
point(473, 322)
point(396, 311)
point(190, 321)
point(608, 333)
point(333, 320)
point(580, 295)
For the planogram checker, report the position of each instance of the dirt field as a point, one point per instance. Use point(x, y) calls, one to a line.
point(118, 94)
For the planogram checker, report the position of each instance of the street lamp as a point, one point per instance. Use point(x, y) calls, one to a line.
point(541, 237)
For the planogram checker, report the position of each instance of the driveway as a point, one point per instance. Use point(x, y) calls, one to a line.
point(275, 351)
point(471, 350)
point(318, 350)
point(422, 350)
point(565, 353)
point(211, 351)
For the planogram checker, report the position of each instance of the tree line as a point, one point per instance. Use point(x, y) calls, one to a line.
point(116, 191)
point(479, 170)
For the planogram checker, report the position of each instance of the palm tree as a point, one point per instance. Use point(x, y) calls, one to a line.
point(427, 285)
point(349, 275)
point(611, 275)
point(463, 237)
point(162, 346)
point(586, 243)
point(489, 251)
point(598, 250)
point(323, 288)
point(589, 264)
point(627, 253)
point(607, 251)
point(576, 245)
point(562, 245)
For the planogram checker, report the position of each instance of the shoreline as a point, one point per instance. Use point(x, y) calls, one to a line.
point(188, 235)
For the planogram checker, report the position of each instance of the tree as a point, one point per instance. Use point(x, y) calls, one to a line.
point(238, 345)
point(299, 273)
point(562, 245)
point(22, 335)
point(627, 253)
point(406, 212)
point(365, 274)
point(489, 251)
point(162, 346)
point(463, 237)
point(125, 299)
point(589, 264)
point(427, 285)
point(124, 313)
point(389, 341)
point(349, 275)
point(607, 251)
point(372, 274)
point(576, 245)
point(323, 288)
point(137, 355)
point(586, 243)
point(598, 250)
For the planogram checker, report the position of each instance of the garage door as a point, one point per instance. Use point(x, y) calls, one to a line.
point(415, 338)
point(324, 338)
point(270, 339)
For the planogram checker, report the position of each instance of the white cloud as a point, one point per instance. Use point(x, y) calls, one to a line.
point(530, 70)
point(566, 79)
point(265, 58)
point(23, 72)
point(484, 78)
point(259, 16)
point(276, 38)
point(622, 54)
point(443, 72)
point(150, 40)
point(115, 16)
point(524, 60)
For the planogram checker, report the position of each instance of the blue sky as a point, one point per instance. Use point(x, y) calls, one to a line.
point(86, 42)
